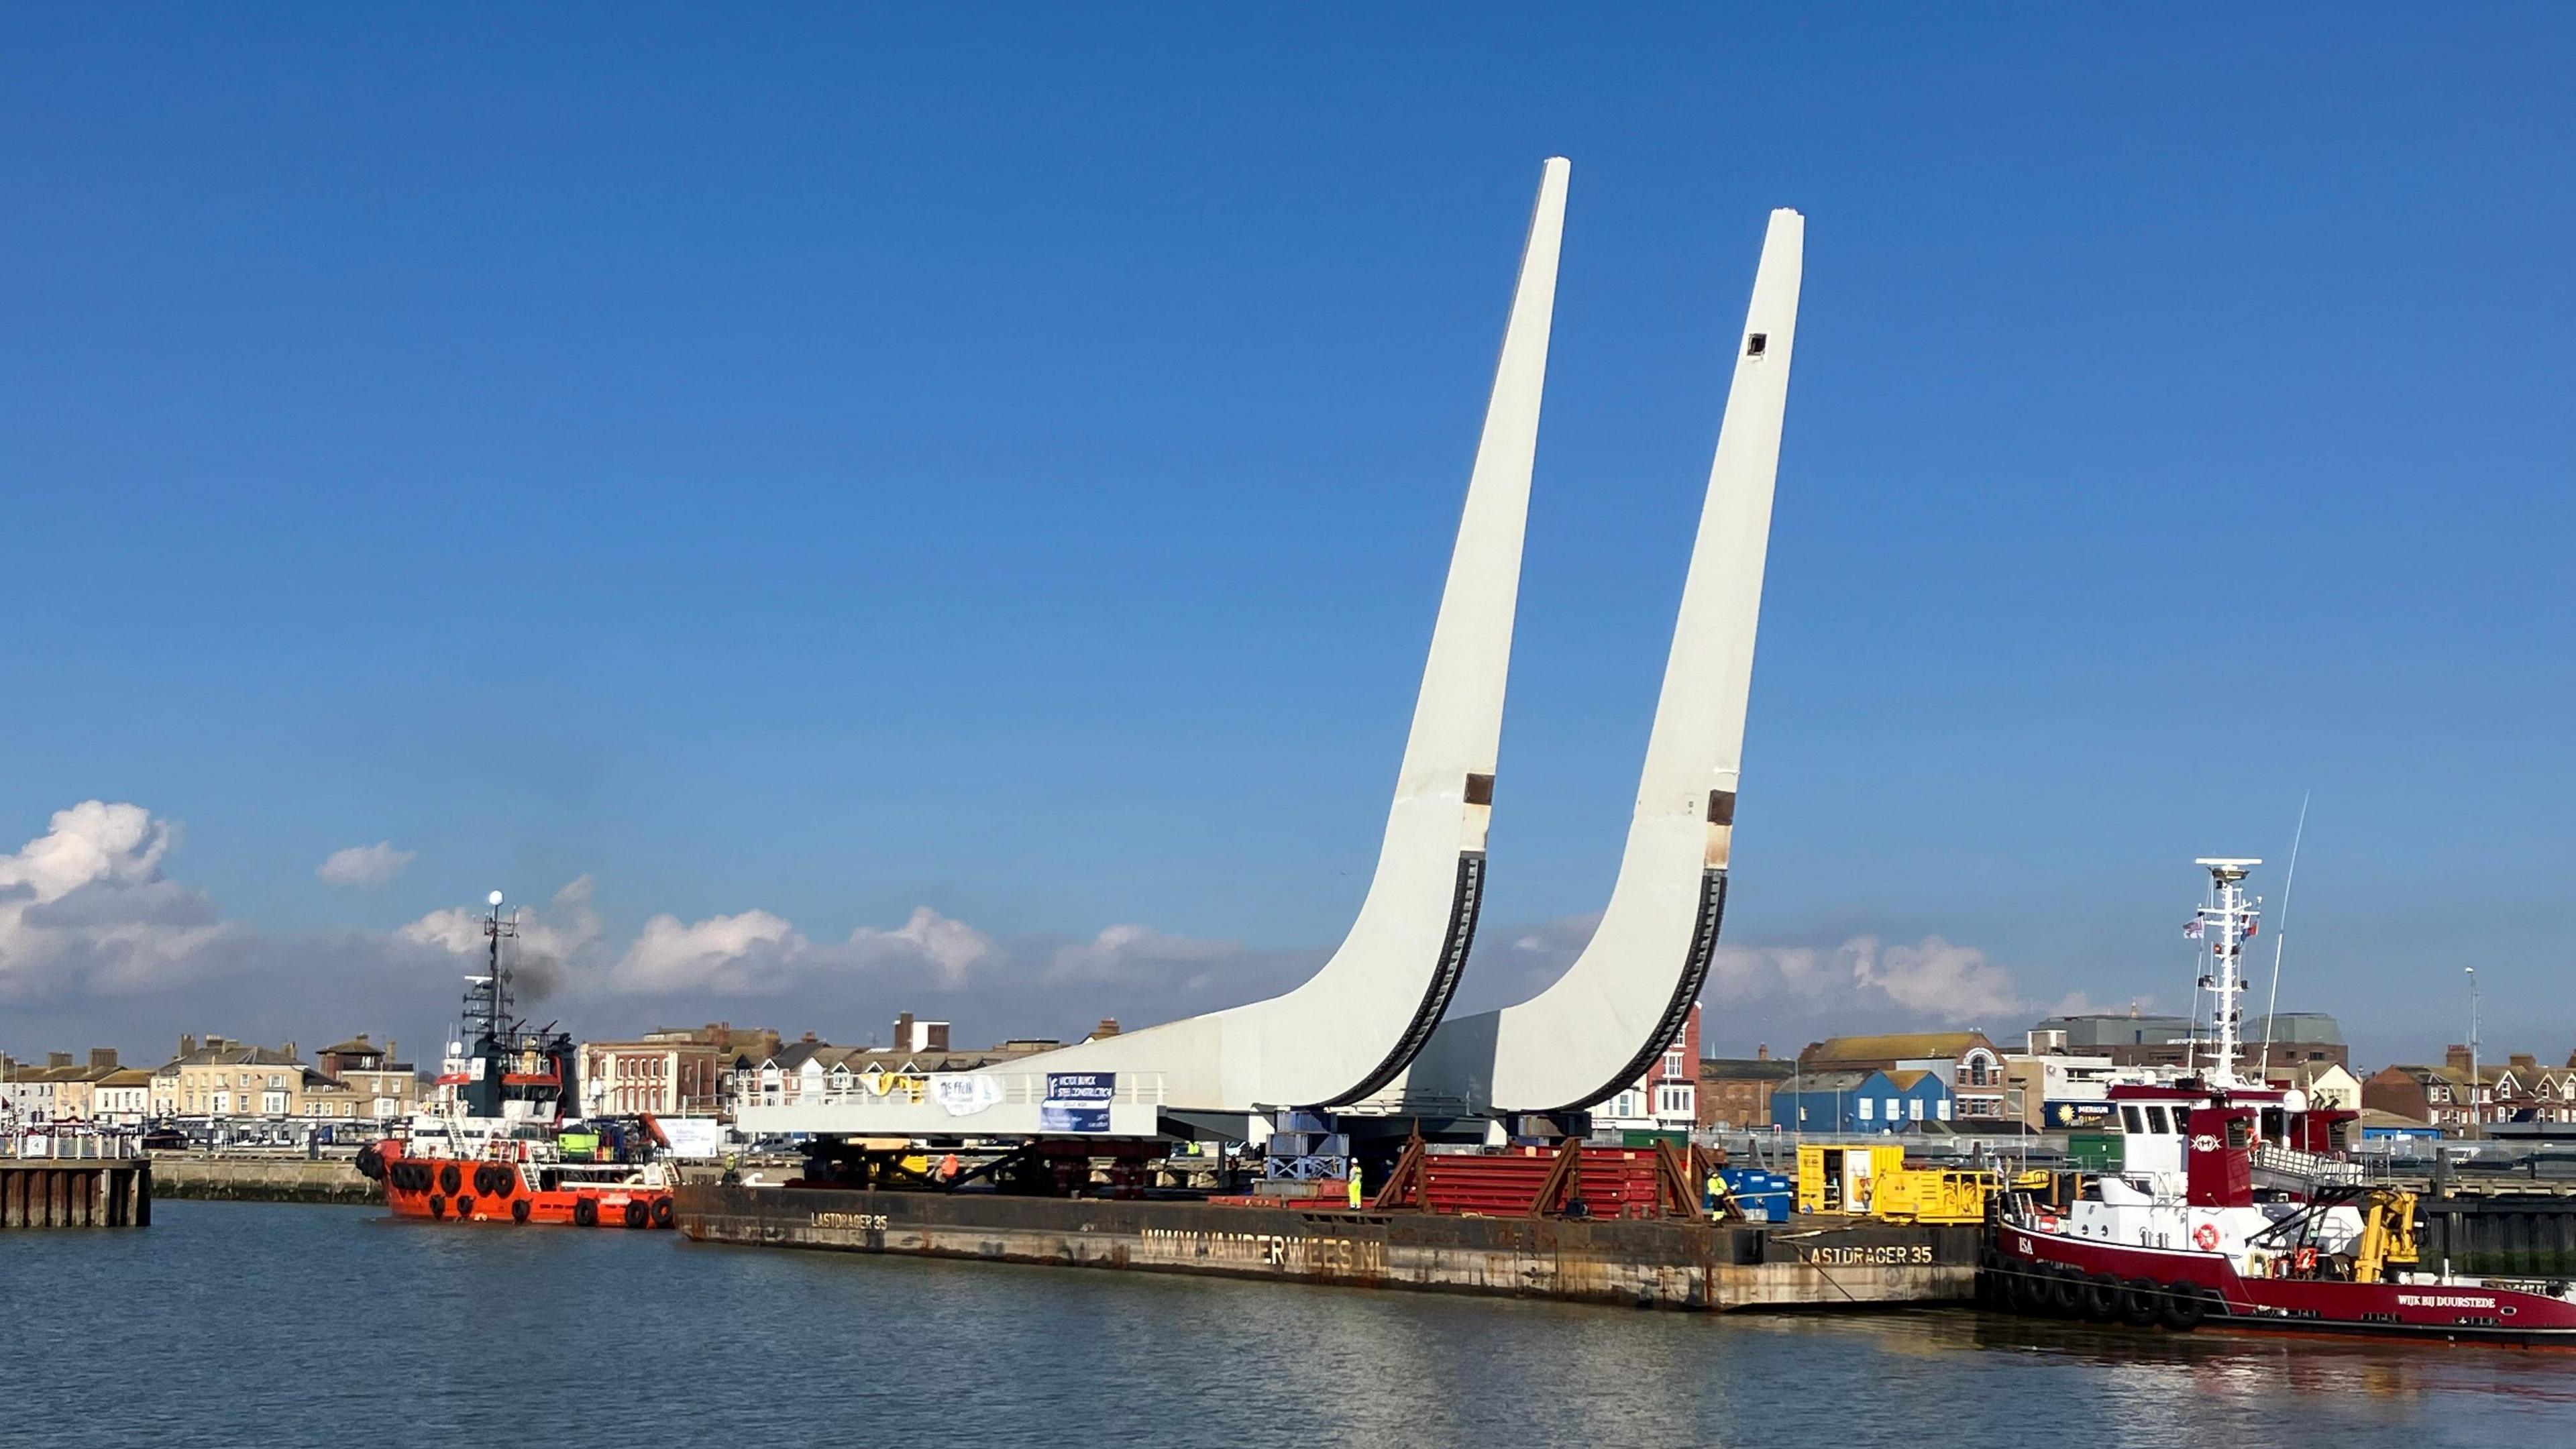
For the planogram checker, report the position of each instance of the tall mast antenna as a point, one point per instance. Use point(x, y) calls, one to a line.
point(2228, 922)
point(2281, 934)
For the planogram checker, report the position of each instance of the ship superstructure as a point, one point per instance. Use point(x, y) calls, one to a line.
point(2238, 1200)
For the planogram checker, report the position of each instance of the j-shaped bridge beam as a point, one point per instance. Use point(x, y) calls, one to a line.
point(1351, 1028)
point(1623, 1001)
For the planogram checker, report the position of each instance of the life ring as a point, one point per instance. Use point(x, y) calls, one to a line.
point(585, 1212)
point(662, 1213)
point(449, 1179)
point(519, 1210)
point(2304, 1261)
point(2206, 1237)
point(636, 1213)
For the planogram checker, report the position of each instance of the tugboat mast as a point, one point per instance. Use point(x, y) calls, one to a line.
point(2227, 922)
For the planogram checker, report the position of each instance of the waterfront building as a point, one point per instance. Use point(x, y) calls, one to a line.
point(61, 1090)
point(811, 1069)
point(1735, 1092)
point(122, 1098)
point(1970, 1067)
point(2526, 1091)
point(2325, 1083)
point(379, 1086)
point(1665, 1098)
point(226, 1078)
point(669, 1071)
point(1862, 1101)
point(2138, 1039)
point(2452, 1096)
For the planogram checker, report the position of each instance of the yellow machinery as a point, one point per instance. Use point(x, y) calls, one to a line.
point(2387, 1234)
point(1875, 1182)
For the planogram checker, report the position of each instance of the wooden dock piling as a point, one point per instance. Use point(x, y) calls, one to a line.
point(45, 1192)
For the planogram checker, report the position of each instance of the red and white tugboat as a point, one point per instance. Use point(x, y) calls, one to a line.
point(491, 1148)
point(2238, 1202)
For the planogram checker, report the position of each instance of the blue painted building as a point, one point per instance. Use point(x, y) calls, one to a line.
point(1859, 1101)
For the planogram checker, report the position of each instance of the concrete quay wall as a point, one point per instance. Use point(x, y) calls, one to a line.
point(1699, 1266)
point(209, 1177)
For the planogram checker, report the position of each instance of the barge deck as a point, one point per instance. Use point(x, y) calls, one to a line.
point(1709, 1267)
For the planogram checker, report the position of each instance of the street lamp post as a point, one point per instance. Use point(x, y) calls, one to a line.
point(2477, 1092)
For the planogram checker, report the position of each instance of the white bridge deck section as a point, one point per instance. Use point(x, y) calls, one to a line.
point(1352, 1026)
point(967, 1104)
point(1619, 1005)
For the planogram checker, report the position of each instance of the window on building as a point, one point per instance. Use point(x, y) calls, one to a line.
point(1941, 1109)
point(1673, 1062)
point(1864, 1109)
point(1918, 1109)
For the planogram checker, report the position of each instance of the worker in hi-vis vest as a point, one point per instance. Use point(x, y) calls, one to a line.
point(1355, 1187)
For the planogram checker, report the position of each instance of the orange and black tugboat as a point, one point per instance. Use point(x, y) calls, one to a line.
point(492, 1146)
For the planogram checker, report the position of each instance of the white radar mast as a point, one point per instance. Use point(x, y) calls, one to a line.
point(2226, 923)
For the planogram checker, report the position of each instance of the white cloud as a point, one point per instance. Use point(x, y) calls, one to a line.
point(364, 865)
point(1931, 980)
point(948, 946)
point(1130, 955)
point(750, 952)
point(84, 906)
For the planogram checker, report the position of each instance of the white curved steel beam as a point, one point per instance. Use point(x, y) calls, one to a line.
point(1622, 1002)
point(1352, 1026)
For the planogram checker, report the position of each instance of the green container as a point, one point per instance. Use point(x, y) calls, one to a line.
point(2095, 1151)
point(1649, 1139)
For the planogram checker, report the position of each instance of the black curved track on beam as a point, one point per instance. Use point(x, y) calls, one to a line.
point(1703, 949)
point(1464, 901)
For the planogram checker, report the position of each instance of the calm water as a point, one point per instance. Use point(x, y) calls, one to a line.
point(242, 1323)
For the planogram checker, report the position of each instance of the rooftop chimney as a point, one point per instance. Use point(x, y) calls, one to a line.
point(2456, 1056)
point(1762, 1053)
point(102, 1059)
point(58, 1059)
point(1108, 1027)
point(187, 1045)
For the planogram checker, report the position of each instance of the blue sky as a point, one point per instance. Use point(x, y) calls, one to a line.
point(831, 464)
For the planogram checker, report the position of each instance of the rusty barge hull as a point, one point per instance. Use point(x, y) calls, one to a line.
point(1683, 1265)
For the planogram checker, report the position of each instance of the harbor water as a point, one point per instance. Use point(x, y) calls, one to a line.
point(228, 1323)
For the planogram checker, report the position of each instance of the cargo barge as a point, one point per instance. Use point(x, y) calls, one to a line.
point(1652, 1263)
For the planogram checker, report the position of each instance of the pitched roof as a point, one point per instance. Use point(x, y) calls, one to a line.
point(1745, 1069)
point(1906, 1081)
point(1894, 1047)
point(1811, 1082)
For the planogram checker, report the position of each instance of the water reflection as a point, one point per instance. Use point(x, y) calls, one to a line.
point(474, 1337)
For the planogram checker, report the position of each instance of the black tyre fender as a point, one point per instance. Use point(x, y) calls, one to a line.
point(2065, 1291)
point(585, 1212)
point(437, 1206)
point(465, 1207)
point(519, 1210)
point(449, 1179)
point(662, 1212)
point(2102, 1298)
point(636, 1213)
point(2021, 1292)
point(369, 1166)
point(505, 1182)
point(2141, 1302)
point(2182, 1308)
